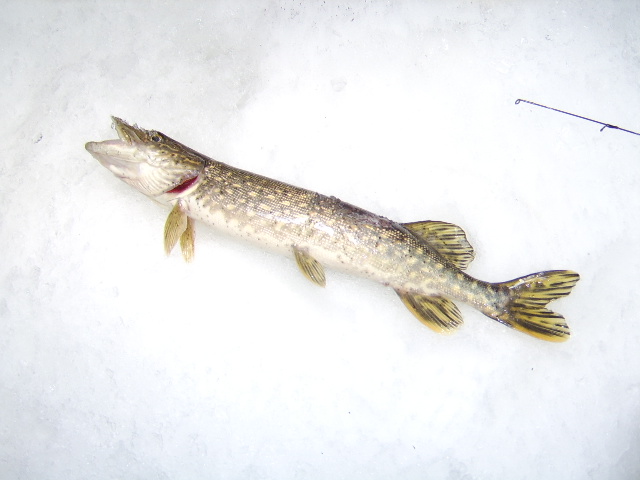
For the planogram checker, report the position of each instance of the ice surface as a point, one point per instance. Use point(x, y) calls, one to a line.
point(116, 362)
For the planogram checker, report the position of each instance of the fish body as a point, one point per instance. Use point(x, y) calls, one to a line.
point(423, 262)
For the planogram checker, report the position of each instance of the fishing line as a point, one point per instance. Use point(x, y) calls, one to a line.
point(604, 125)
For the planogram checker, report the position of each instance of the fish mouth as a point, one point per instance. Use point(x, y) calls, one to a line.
point(128, 133)
point(122, 156)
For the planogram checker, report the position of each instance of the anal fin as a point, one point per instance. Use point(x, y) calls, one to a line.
point(437, 313)
point(310, 267)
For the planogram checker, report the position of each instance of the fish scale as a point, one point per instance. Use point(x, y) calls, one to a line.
point(422, 261)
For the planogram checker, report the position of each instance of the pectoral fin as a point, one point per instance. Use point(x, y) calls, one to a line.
point(187, 240)
point(310, 267)
point(174, 227)
point(437, 313)
point(447, 239)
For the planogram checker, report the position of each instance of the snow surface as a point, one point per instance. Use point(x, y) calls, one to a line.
point(117, 362)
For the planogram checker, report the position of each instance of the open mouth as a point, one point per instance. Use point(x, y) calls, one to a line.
point(119, 156)
point(126, 132)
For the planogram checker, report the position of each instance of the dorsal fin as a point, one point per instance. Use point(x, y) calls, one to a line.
point(437, 313)
point(447, 239)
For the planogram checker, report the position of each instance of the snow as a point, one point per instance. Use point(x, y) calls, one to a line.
point(117, 362)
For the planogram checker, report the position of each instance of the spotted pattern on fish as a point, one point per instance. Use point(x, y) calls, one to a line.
point(423, 262)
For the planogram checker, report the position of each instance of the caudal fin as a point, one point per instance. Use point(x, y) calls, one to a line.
point(529, 296)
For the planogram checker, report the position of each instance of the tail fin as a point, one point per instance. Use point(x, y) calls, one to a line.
point(528, 297)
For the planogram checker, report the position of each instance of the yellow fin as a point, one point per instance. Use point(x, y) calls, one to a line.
point(529, 296)
point(447, 239)
point(174, 227)
point(187, 240)
point(310, 267)
point(437, 313)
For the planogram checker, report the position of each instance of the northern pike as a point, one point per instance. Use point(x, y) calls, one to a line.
point(423, 262)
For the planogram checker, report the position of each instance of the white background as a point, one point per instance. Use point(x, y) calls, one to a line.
point(117, 362)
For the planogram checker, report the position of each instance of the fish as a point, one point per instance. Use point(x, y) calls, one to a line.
point(424, 262)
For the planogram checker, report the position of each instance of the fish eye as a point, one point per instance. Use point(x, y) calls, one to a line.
point(156, 137)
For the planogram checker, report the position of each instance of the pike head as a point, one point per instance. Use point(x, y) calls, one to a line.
point(149, 161)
